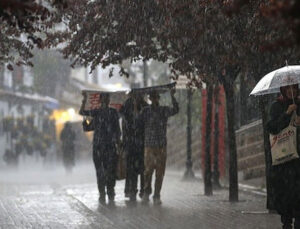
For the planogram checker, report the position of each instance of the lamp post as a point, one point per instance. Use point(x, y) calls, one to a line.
point(145, 73)
point(189, 174)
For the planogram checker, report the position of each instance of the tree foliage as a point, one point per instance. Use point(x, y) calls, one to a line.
point(21, 25)
point(192, 35)
point(196, 38)
point(186, 34)
point(284, 13)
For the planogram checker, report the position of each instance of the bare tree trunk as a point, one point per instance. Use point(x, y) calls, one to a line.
point(233, 177)
point(227, 78)
point(208, 191)
point(267, 148)
point(216, 173)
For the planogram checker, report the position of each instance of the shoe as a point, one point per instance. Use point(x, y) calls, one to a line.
point(286, 222)
point(297, 223)
point(111, 198)
point(141, 194)
point(127, 195)
point(145, 199)
point(132, 198)
point(102, 199)
point(157, 201)
point(111, 204)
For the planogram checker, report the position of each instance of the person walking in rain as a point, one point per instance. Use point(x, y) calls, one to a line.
point(105, 124)
point(285, 178)
point(155, 118)
point(67, 138)
point(133, 142)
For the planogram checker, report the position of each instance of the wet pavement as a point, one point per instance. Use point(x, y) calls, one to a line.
point(52, 199)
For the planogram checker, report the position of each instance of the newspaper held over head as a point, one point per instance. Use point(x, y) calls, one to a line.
point(91, 98)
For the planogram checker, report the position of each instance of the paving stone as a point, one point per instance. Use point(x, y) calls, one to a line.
point(75, 205)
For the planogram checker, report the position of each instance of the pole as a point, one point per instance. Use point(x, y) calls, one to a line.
point(208, 191)
point(216, 173)
point(189, 174)
point(145, 71)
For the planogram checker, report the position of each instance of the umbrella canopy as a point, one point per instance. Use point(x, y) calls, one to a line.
point(272, 82)
point(159, 89)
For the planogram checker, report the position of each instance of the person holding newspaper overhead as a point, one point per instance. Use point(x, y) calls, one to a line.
point(105, 123)
point(285, 176)
point(154, 118)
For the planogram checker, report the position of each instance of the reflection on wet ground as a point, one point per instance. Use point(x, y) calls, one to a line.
point(34, 197)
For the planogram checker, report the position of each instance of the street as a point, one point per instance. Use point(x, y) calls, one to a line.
point(34, 197)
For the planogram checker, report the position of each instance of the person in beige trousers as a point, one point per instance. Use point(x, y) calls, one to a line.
point(155, 118)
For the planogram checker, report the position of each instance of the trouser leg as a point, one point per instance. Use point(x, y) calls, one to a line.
point(142, 183)
point(149, 167)
point(99, 172)
point(127, 180)
point(111, 165)
point(133, 183)
point(286, 222)
point(132, 174)
point(111, 182)
point(141, 172)
point(160, 167)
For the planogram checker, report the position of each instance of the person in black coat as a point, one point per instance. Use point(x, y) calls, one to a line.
point(285, 178)
point(67, 138)
point(133, 141)
point(105, 124)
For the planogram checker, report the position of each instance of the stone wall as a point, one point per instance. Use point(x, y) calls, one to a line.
point(250, 150)
point(177, 150)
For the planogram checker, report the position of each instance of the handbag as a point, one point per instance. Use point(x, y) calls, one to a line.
point(121, 164)
point(284, 144)
point(88, 126)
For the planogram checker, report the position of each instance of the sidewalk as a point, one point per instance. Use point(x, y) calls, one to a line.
point(74, 204)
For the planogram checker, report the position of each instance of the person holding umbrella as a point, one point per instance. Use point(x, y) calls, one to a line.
point(285, 177)
point(283, 127)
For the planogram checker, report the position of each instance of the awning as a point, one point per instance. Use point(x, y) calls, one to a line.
point(19, 97)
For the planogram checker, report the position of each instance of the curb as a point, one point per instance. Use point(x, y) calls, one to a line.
point(242, 187)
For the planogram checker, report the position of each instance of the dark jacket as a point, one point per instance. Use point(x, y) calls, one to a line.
point(105, 124)
point(285, 178)
point(67, 137)
point(133, 131)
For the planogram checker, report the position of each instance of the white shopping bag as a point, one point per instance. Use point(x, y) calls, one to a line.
point(284, 144)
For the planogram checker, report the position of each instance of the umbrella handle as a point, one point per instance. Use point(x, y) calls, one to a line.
point(292, 94)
